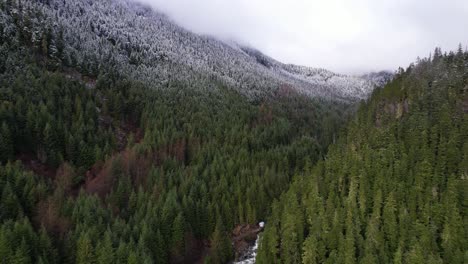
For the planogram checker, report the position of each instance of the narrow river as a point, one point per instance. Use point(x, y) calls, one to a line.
point(251, 254)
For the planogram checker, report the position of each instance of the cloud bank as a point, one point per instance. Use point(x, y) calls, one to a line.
point(341, 35)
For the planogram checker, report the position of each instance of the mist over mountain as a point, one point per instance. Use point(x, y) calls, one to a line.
point(351, 37)
point(147, 46)
point(127, 138)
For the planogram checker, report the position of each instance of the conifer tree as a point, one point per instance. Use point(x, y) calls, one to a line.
point(105, 250)
point(6, 143)
point(84, 250)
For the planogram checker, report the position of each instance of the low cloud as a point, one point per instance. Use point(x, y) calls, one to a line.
point(341, 35)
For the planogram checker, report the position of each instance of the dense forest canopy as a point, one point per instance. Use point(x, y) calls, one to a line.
point(112, 151)
point(393, 188)
point(99, 167)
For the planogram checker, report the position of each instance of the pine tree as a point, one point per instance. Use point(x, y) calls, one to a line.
point(220, 244)
point(398, 257)
point(390, 224)
point(84, 250)
point(10, 207)
point(6, 143)
point(452, 233)
point(292, 231)
point(122, 252)
point(310, 254)
point(160, 249)
point(22, 254)
point(5, 250)
point(178, 236)
point(104, 250)
point(132, 258)
point(416, 256)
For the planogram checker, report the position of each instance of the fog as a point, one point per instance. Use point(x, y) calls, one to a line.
point(341, 35)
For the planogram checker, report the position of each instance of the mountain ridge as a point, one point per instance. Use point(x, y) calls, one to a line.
point(148, 46)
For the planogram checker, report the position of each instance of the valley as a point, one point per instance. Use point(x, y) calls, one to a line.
point(125, 138)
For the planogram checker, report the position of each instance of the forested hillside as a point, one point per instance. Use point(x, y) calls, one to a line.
point(99, 167)
point(393, 188)
point(144, 45)
point(125, 138)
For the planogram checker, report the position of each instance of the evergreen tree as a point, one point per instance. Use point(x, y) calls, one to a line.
point(84, 249)
point(105, 251)
point(6, 143)
point(220, 245)
point(178, 236)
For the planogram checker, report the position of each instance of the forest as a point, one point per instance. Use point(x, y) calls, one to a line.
point(393, 187)
point(101, 162)
point(97, 167)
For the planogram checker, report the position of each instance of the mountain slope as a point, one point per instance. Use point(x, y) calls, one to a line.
point(100, 162)
point(378, 78)
point(147, 46)
point(393, 189)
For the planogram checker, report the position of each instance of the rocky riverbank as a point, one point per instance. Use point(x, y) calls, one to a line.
point(245, 242)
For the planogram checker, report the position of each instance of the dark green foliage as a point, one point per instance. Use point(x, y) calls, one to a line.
point(130, 173)
point(220, 246)
point(6, 143)
point(392, 189)
point(154, 173)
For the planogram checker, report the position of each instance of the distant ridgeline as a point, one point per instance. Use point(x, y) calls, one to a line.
point(144, 45)
point(393, 189)
point(99, 163)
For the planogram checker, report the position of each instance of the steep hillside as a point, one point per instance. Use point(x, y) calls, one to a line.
point(393, 188)
point(109, 156)
point(321, 82)
point(147, 46)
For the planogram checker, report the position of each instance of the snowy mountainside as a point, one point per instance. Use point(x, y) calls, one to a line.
point(378, 78)
point(349, 86)
point(146, 45)
point(318, 79)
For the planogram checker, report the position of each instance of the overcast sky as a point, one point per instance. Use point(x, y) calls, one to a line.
point(348, 36)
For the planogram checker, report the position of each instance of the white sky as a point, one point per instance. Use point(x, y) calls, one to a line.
point(348, 36)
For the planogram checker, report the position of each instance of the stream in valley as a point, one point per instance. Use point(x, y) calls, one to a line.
point(251, 254)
